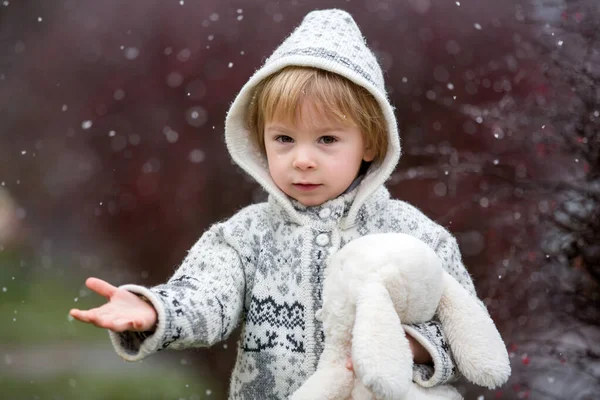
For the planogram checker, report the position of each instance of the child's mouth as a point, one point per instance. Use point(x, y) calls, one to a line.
point(306, 186)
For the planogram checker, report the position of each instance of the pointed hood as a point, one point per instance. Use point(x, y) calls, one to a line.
point(329, 40)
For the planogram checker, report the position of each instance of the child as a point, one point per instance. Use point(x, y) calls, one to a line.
point(314, 127)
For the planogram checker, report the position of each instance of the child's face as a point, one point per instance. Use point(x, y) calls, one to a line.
point(316, 159)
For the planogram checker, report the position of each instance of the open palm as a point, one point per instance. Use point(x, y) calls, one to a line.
point(124, 310)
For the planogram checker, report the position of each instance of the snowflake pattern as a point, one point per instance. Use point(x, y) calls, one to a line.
point(267, 273)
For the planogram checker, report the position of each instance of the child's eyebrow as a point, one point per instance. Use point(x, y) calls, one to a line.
point(319, 130)
point(326, 129)
point(278, 129)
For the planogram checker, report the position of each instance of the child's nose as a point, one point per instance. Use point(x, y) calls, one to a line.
point(304, 159)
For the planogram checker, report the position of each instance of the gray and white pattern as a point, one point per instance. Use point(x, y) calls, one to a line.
point(264, 266)
point(263, 270)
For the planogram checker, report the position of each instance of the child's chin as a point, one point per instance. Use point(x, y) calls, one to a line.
point(311, 202)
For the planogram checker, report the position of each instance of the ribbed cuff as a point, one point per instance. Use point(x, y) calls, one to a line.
point(431, 337)
point(134, 346)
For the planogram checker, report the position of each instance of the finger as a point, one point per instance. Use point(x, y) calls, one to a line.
point(101, 287)
point(120, 325)
point(93, 316)
point(103, 320)
point(137, 324)
point(126, 324)
point(80, 315)
point(75, 313)
point(349, 364)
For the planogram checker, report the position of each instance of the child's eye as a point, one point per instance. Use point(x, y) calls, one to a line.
point(328, 139)
point(284, 139)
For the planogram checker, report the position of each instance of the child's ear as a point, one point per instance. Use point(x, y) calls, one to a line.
point(369, 154)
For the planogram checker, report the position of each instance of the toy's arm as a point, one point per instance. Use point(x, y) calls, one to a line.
point(200, 305)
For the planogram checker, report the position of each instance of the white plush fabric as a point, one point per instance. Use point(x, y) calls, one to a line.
point(373, 285)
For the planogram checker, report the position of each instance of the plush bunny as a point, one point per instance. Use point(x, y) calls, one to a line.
point(372, 286)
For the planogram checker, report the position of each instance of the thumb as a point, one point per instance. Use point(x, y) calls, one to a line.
point(349, 364)
point(137, 324)
point(101, 287)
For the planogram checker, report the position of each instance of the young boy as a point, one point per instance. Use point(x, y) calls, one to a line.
point(314, 127)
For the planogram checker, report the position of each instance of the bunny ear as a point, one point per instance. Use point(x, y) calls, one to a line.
point(478, 349)
point(380, 351)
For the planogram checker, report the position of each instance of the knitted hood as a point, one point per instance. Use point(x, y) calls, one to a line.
point(329, 40)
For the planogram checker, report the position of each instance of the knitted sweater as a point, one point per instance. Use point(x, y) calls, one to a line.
point(264, 267)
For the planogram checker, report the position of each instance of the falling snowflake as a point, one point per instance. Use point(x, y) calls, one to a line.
point(196, 156)
point(119, 94)
point(131, 53)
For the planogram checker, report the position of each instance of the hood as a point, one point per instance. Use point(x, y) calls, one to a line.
point(329, 40)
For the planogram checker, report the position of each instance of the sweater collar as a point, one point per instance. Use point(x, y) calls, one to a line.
point(335, 212)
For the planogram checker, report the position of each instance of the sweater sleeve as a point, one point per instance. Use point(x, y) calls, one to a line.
point(200, 305)
point(430, 334)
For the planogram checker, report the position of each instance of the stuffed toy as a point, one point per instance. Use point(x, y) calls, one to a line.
point(372, 286)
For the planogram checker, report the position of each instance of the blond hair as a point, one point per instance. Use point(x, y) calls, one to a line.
point(278, 97)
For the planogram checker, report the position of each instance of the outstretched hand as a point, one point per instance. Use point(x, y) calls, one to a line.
point(124, 310)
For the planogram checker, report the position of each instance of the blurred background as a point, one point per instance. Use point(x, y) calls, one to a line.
point(113, 163)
